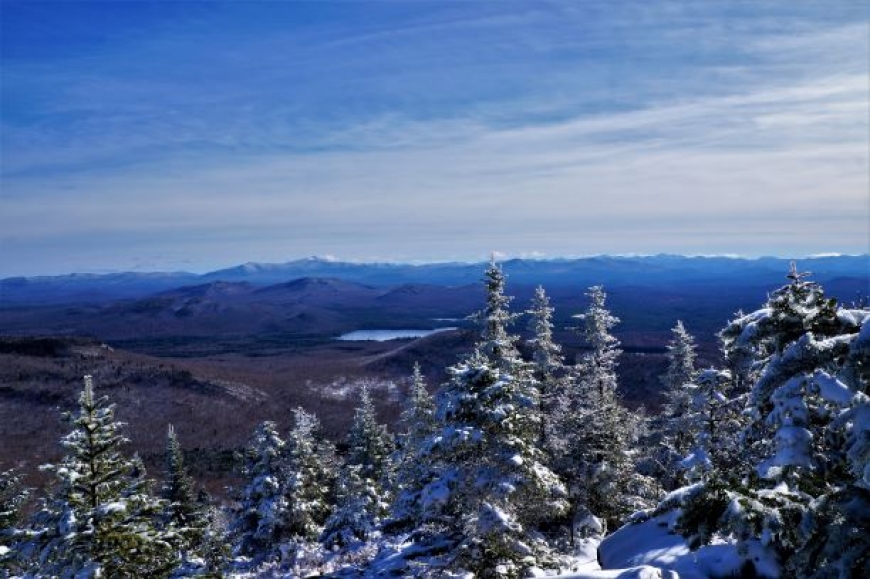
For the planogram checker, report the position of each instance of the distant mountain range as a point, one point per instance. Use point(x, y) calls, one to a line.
point(849, 274)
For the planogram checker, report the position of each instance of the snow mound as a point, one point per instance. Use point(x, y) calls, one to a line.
point(653, 544)
point(642, 572)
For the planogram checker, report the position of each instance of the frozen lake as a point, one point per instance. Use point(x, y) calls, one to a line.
point(384, 335)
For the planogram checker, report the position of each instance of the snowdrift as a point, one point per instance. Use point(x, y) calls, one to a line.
point(652, 542)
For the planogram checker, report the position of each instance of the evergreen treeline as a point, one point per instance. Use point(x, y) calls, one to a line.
point(508, 465)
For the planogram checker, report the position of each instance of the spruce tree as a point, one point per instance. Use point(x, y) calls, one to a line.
point(594, 429)
point(13, 495)
point(793, 487)
point(370, 448)
point(101, 518)
point(369, 444)
point(184, 514)
point(260, 520)
point(681, 359)
point(412, 471)
point(418, 415)
point(712, 423)
point(676, 425)
point(546, 361)
point(365, 480)
point(496, 344)
point(354, 516)
point(491, 487)
point(309, 477)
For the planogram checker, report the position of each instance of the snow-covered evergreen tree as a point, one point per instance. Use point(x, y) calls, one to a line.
point(547, 361)
point(412, 472)
point(594, 429)
point(13, 494)
point(679, 393)
point(681, 359)
point(184, 513)
point(676, 426)
point(260, 522)
point(712, 424)
point(365, 481)
point(496, 344)
point(418, 416)
point(793, 489)
point(354, 517)
point(491, 487)
point(100, 520)
point(309, 477)
point(370, 447)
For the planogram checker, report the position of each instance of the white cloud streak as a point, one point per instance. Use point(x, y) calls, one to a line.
point(764, 165)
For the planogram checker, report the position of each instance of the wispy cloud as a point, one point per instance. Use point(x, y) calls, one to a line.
point(444, 134)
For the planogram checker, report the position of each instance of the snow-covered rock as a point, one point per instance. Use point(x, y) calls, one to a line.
point(654, 544)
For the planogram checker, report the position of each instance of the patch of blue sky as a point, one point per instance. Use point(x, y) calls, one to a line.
point(275, 105)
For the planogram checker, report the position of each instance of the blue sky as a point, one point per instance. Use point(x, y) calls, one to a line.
point(194, 135)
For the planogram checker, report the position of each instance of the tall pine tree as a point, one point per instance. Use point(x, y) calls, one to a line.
point(491, 486)
point(260, 522)
point(309, 462)
point(101, 518)
point(793, 488)
point(184, 514)
point(547, 361)
point(413, 472)
point(594, 429)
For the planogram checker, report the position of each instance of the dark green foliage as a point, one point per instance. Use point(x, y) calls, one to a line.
point(800, 482)
point(259, 524)
point(102, 516)
point(309, 478)
point(489, 487)
point(837, 545)
point(185, 512)
point(702, 511)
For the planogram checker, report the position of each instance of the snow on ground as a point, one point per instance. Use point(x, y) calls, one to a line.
point(643, 572)
point(644, 550)
point(652, 542)
point(344, 388)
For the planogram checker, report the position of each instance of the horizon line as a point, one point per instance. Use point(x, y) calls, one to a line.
point(500, 258)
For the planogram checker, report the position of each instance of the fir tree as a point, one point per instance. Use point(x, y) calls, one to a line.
point(490, 487)
point(418, 415)
point(13, 495)
point(214, 549)
point(712, 423)
point(309, 477)
point(260, 521)
point(369, 444)
point(101, 518)
point(594, 429)
point(496, 344)
point(356, 503)
point(185, 514)
point(681, 359)
point(365, 479)
point(412, 472)
point(792, 487)
point(546, 360)
point(676, 430)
